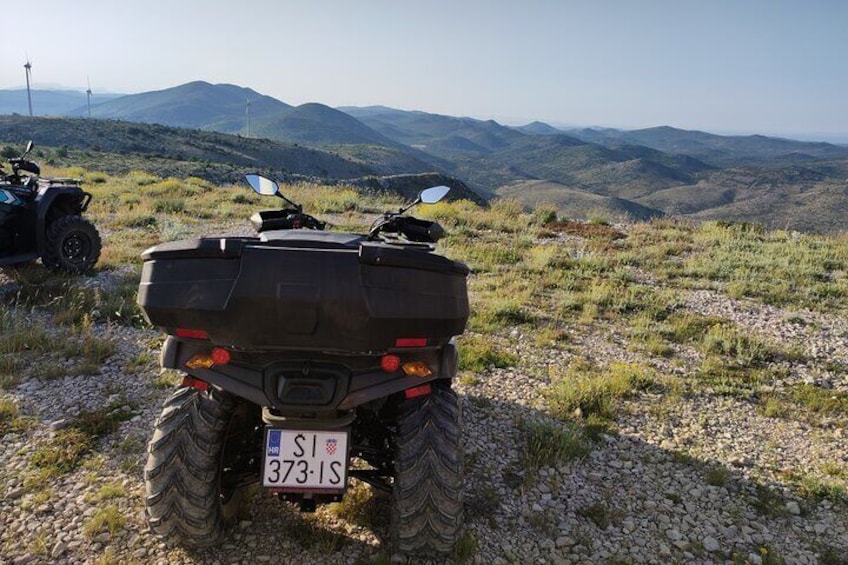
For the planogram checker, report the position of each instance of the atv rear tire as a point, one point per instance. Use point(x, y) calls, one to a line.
point(427, 514)
point(187, 500)
point(72, 244)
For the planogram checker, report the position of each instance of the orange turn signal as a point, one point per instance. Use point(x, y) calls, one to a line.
point(219, 356)
point(200, 361)
point(417, 369)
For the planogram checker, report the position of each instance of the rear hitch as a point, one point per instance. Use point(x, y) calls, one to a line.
point(307, 505)
point(307, 502)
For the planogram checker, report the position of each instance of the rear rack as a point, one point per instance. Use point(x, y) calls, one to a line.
point(60, 180)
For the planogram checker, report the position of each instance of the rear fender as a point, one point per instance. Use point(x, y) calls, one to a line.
point(55, 202)
point(373, 386)
point(260, 386)
point(240, 381)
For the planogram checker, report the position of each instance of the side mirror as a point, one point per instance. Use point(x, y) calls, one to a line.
point(29, 146)
point(262, 185)
point(433, 194)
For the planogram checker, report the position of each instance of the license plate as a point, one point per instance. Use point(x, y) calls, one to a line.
point(304, 461)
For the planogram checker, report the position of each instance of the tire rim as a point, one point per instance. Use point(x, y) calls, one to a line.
point(76, 248)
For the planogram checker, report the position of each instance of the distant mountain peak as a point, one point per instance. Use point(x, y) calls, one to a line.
point(539, 128)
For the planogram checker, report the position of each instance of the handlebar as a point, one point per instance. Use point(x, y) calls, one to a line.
point(286, 219)
point(302, 220)
point(413, 229)
point(21, 164)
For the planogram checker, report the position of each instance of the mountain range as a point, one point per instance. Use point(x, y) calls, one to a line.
point(607, 172)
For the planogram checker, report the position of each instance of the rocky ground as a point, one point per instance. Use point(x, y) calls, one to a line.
point(698, 478)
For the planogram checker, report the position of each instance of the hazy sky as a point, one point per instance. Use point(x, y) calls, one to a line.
point(724, 66)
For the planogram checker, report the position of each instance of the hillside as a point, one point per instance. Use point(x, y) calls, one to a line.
point(717, 150)
point(749, 178)
point(317, 124)
point(658, 392)
point(447, 137)
point(199, 153)
point(121, 147)
point(224, 108)
point(200, 105)
point(50, 102)
point(624, 172)
point(657, 170)
point(576, 203)
point(664, 169)
point(175, 145)
point(539, 128)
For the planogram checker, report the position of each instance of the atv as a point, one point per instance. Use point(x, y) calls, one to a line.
point(41, 217)
point(309, 358)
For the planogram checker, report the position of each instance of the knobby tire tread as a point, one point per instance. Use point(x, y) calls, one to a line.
point(427, 497)
point(52, 254)
point(183, 503)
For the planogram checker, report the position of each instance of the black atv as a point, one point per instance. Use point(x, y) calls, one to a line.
point(304, 351)
point(42, 217)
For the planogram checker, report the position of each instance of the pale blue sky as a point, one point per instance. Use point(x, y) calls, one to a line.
point(747, 66)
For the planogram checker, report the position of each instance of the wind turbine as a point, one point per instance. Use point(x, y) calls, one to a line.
point(28, 68)
point(88, 95)
point(247, 113)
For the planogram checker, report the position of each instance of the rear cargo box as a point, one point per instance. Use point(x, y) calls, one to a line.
point(299, 289)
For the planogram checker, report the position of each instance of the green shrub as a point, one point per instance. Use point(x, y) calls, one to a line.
point(10, 417)
point(70, 445)
point(544, 213)
point(477, 354)
point(744, 350)
point(598, 513)
point(107, 518)
point(549, 444)
point(64, 453)
point(169, 205)
point(586, 390)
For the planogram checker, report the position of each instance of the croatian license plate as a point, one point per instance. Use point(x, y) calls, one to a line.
point(305, 461)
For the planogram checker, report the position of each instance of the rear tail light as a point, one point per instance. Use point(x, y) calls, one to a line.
point(417, 369)
point(195, 383)
point(390, 363)
point(218, 356)
point(190, 333)
point(221, 356)
point(411, 342)
point(417, 391)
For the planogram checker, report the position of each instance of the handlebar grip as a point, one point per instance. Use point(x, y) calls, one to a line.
point(416, 232)
point(313, 223)
point(421, 230)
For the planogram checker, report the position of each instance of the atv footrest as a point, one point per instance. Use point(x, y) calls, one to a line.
point(16, 259)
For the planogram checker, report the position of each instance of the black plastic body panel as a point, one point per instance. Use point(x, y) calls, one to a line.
point(304, 290)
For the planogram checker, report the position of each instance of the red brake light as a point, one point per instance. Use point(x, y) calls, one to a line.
point(411, 342)
point(193, 334)
point(195, 383)
point(417, 391)
point(221, 356)
point(390, 363)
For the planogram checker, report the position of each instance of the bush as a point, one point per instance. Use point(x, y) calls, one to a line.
point(586, 390)
point(548, 444)
point(478, 354)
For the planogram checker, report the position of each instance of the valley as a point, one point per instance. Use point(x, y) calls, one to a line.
point(217, 132)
